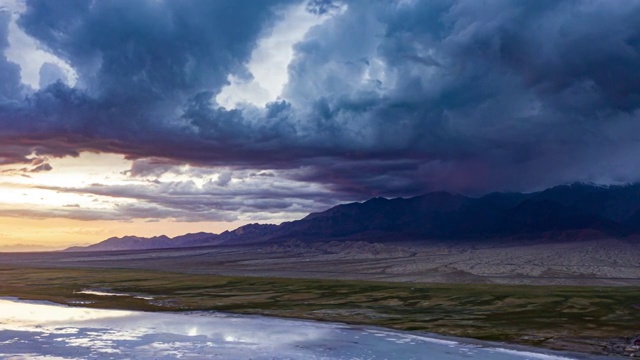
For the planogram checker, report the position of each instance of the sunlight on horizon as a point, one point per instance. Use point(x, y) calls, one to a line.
point(23, 234)
point(33, 191)
point(44, 210)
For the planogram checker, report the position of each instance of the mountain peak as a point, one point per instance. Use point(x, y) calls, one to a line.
point(578, 208)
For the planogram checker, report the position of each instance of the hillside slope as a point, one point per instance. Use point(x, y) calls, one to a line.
point(613, 211)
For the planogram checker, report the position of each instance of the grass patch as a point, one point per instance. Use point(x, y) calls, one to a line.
point(520, 314)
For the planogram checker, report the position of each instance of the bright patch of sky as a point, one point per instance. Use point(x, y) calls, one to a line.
point(270, 59)
point(39, 189)
point(102, 186)
point(31, 56)
point(88, 168)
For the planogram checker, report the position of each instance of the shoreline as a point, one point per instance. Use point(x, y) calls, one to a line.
point(533, 352)
point(523, 315)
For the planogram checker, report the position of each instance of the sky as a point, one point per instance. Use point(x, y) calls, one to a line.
point(150, 117)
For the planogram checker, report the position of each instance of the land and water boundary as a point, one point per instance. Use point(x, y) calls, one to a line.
point(563, 294)
point(593, 319)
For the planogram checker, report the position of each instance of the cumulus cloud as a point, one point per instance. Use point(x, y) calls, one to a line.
point(10, 85)
point(383, 98)
point(51, 73)
point(252, 196)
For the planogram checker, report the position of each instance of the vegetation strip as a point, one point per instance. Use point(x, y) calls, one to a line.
point(589, 319)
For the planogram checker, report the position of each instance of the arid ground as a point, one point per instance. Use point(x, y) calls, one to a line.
point(611, 262)
point(579, 296)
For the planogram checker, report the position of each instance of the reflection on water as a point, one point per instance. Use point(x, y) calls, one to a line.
point(36, 330)
point(110, 293)
point(25, 314)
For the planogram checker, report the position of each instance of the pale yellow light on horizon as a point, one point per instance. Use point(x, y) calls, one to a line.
point(22, 234)
point(43, 210)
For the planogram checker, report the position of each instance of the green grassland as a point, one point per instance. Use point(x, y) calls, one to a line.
point(573, 318)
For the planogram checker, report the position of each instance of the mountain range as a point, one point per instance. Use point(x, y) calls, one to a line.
point(609, 211)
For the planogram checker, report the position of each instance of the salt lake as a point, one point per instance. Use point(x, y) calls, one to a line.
point(43, 330)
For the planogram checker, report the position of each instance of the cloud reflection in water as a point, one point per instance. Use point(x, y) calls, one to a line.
point(37, 330)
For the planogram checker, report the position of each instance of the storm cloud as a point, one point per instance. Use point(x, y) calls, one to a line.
point(390, 98)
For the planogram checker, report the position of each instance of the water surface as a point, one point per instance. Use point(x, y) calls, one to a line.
point(41, 330)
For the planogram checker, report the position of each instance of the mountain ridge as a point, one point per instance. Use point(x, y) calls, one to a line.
point(577, 208)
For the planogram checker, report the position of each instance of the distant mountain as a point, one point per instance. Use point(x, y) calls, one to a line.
point(194, 239)
point(248, 234)
point(128, 243)
point(577, 208)
point(445, 216)
point(243, 235)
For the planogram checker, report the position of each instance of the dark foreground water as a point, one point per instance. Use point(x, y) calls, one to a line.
point(41, 330)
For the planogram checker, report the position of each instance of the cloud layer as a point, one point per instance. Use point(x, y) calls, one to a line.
point(385, 98)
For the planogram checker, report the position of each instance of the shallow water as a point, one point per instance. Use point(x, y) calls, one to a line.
point(111, 293)
point(41, 330)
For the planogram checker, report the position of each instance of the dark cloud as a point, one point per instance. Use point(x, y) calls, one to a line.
point(34, 165)
point(41, 168)
point(514, 95)
point(51, 73)
point(213, 200)
point(10, 85)
point(321, 7)
point(148, 49)
point(63, 212)
point(384, 98)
